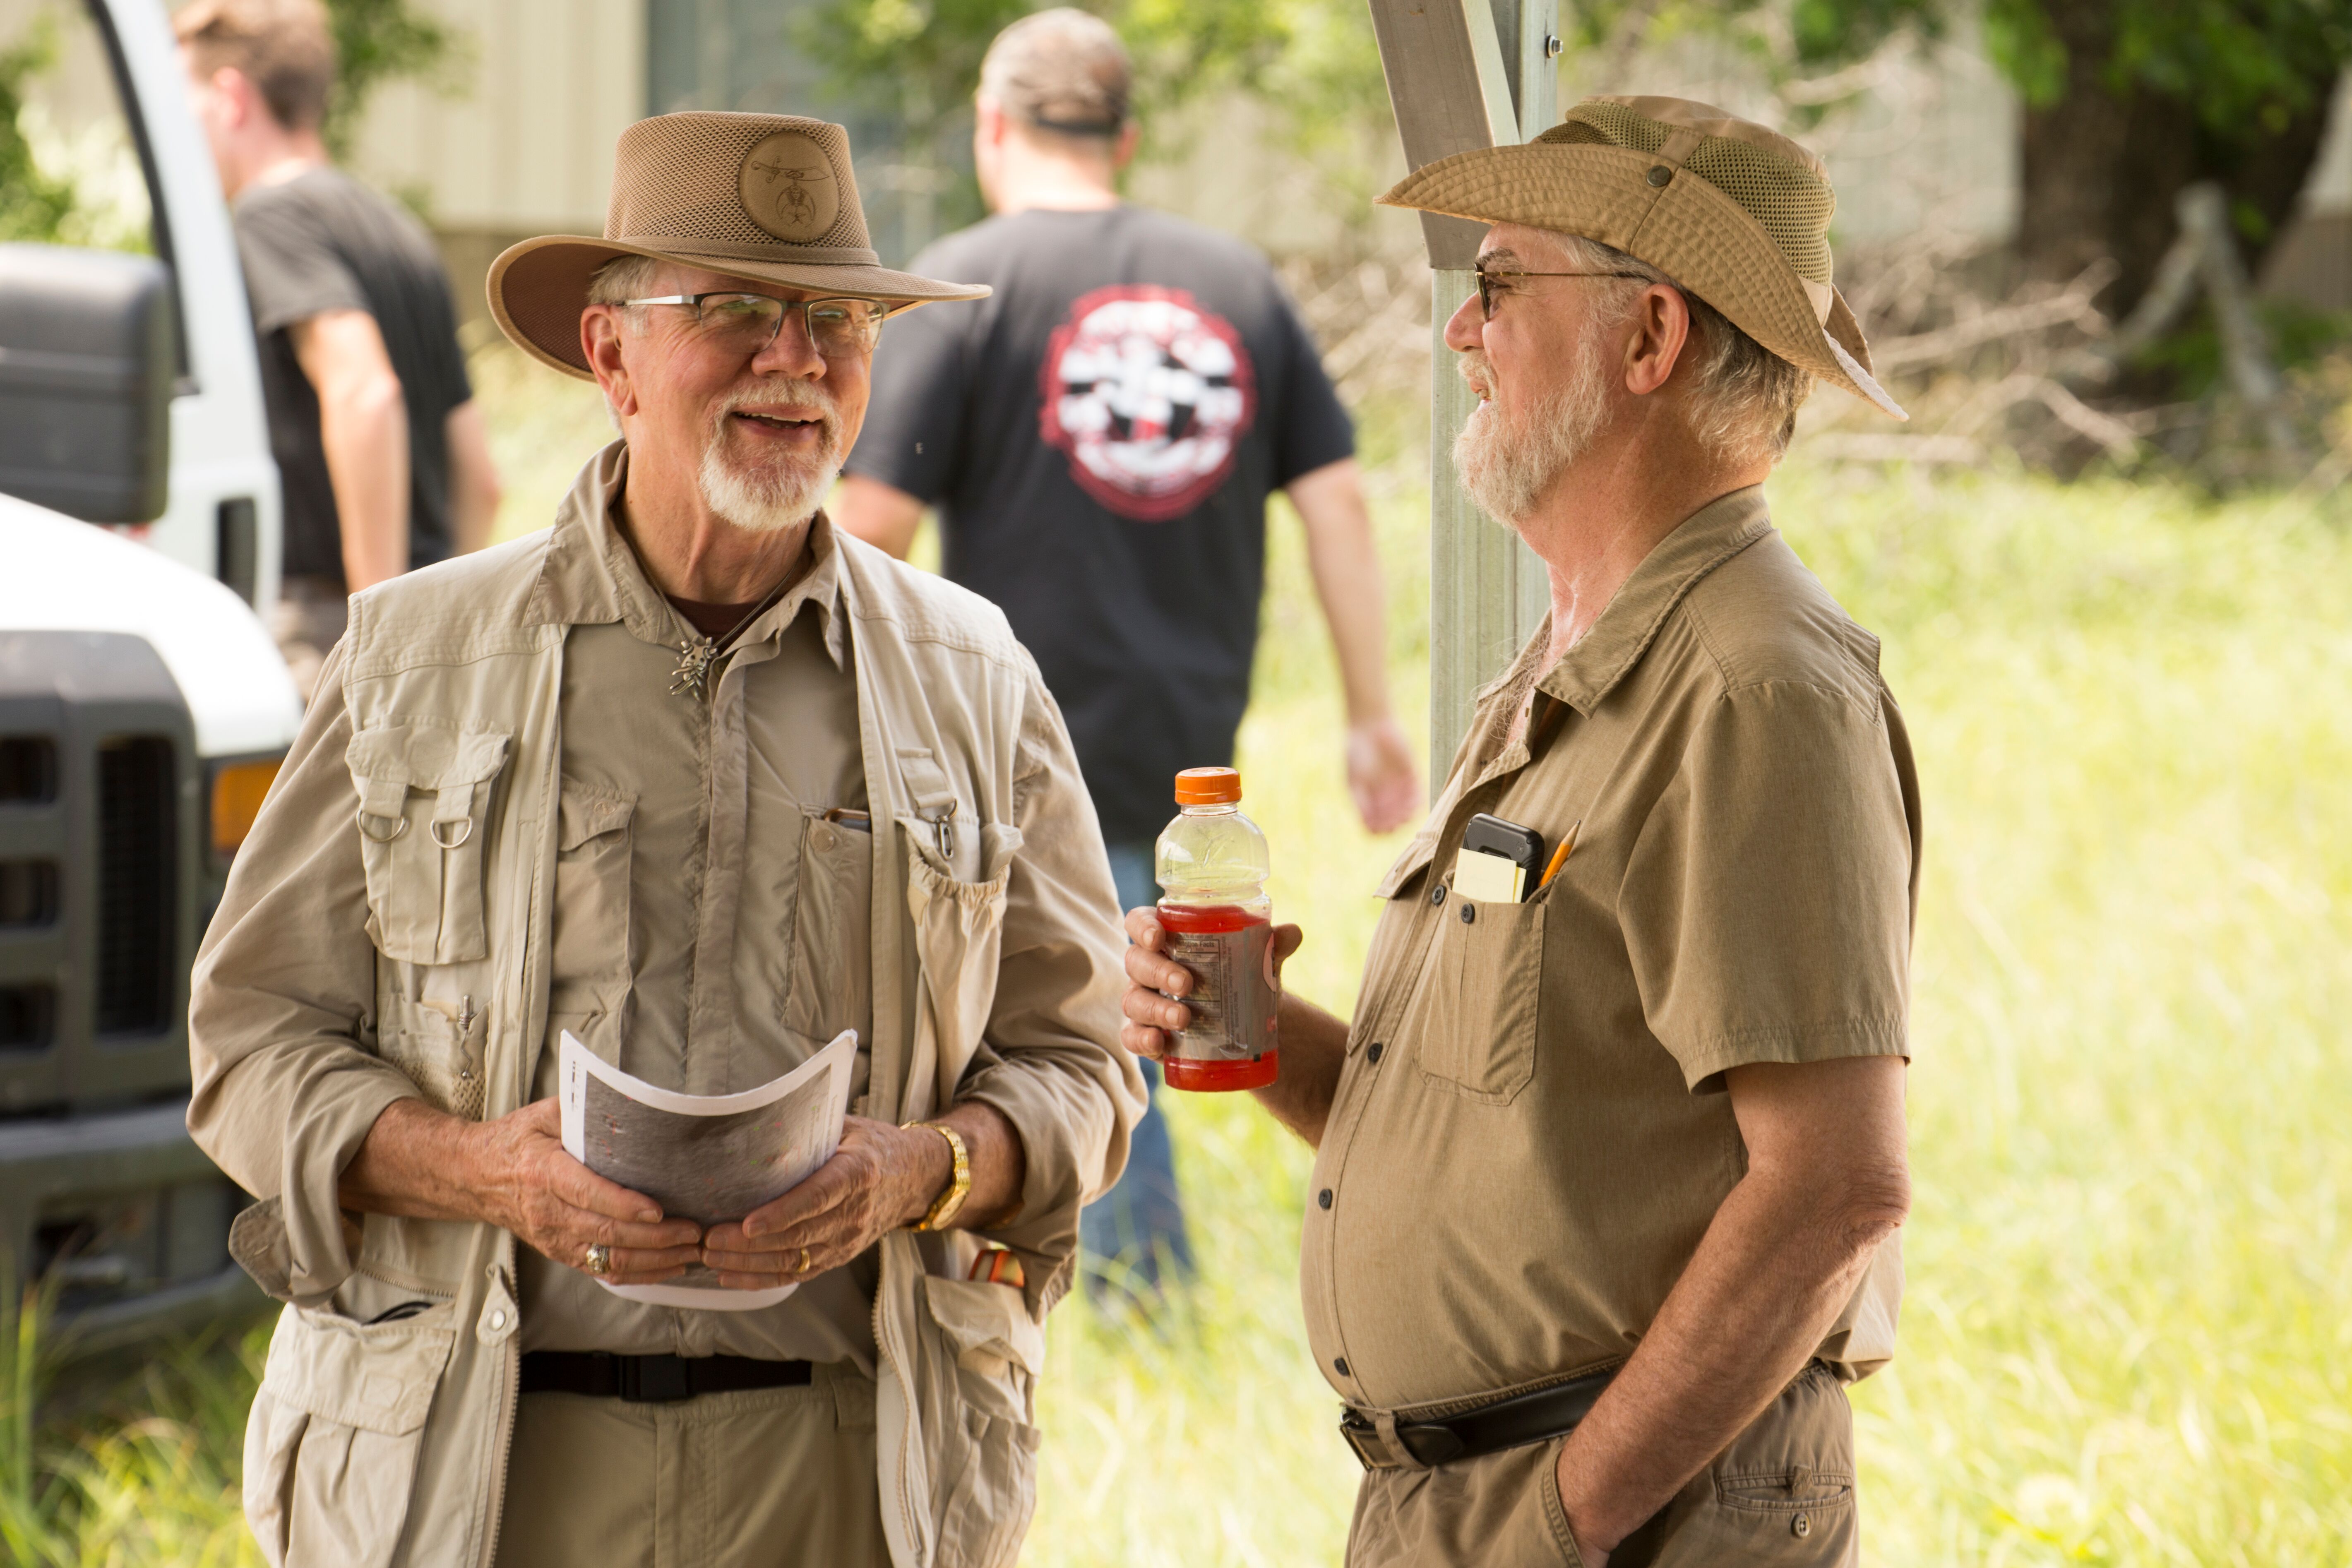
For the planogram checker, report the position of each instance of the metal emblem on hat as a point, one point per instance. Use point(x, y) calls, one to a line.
point(788, 187)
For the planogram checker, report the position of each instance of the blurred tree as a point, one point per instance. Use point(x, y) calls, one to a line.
point(2127, 101)
point(1314, 61)
point(380, 41)
point(33, 205)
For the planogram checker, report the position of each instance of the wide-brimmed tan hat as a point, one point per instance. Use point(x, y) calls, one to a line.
point(1736, 212)
point(770, 196)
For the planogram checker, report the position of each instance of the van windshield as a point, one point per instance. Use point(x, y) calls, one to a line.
point(70, 166)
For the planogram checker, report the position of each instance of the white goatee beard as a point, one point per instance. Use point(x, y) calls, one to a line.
point(1505, 469)
point(772, 502)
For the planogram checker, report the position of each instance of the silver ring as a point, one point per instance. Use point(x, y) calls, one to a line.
point(599, 1259)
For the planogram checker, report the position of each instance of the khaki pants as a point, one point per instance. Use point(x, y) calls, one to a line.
point(768, 1477)
point(1780, 1497)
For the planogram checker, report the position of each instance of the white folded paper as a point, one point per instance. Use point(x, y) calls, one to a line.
point(705, 1157)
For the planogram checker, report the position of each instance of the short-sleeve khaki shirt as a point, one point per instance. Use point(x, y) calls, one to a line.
point(1528, 1138)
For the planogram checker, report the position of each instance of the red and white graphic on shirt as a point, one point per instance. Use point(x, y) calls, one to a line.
point(1149, 392)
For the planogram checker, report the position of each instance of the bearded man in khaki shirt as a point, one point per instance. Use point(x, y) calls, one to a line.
point(1606, 1177)
point(704, 782)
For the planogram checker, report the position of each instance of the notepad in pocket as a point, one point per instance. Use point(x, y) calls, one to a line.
point(1488, 879)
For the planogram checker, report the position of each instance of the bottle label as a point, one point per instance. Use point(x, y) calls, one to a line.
point(1233, 995)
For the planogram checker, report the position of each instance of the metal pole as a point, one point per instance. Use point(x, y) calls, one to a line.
point(1488, 591)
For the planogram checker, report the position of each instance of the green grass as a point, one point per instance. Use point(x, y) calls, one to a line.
point(2125, 1338)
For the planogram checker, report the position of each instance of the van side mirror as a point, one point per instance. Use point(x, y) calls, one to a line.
point(87, 359)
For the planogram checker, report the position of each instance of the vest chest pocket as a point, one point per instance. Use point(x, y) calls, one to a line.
point(1472, 1021)
point(424, 800)
point(440, 1048)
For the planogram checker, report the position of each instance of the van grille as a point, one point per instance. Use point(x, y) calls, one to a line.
point(29, 1015)
point(136, 891)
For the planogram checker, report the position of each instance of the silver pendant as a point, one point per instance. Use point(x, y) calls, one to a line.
point(692, 675)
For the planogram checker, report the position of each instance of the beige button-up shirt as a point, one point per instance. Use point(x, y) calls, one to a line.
point(1528, 1138)
point(712, 925)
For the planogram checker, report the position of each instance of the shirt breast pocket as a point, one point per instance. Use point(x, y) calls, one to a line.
point(1472, 1021)
point(424, 817)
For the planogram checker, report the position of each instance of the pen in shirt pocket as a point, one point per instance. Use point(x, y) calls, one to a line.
point(1559, 855)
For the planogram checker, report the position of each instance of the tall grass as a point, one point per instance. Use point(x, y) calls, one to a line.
point(2126, 1339)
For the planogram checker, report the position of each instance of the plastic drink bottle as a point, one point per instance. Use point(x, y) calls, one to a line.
point(1212, 866)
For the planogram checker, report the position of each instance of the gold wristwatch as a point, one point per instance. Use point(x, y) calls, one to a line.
point(943, 1208)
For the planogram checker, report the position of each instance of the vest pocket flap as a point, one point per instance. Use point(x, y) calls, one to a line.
point(425, 756)
point(983, 1320)
point(377, 1377)
point(583, 813)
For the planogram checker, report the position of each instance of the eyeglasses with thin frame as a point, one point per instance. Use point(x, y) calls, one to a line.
point(1507, 277)
point(747, 323)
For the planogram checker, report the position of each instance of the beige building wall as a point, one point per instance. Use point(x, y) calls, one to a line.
point(520, 140)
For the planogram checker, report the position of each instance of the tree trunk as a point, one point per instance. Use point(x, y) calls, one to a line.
point(2102, 167)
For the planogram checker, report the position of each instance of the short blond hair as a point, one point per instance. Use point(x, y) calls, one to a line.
point(284, 48)
point(1061, 71)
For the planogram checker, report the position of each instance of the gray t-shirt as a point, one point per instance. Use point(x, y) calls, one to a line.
point(319, 242)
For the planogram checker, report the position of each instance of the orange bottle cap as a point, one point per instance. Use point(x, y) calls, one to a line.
point(1208, 786)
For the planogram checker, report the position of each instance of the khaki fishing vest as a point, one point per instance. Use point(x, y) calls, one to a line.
point(375, 1445)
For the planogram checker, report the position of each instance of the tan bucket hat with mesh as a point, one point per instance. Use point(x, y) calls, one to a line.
point(1738, 214)
point(770, 196)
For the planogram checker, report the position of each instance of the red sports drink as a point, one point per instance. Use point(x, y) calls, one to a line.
point(1212, 866)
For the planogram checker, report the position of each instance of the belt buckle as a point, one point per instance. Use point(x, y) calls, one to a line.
point(1358, 1432)
point(651, 1379)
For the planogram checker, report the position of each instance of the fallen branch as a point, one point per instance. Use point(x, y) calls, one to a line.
point(2074, 307)
point(2108, 432)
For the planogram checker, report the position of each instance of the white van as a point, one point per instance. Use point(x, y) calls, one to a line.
point(143, 707)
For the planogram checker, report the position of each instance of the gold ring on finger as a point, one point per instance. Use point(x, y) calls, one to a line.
point(803, 1266)
point(599, 1259)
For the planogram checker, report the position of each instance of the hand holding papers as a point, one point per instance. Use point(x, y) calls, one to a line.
point(707, 1158)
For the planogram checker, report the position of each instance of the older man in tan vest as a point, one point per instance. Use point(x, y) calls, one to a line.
point(704, 782)
point(1610, 1163)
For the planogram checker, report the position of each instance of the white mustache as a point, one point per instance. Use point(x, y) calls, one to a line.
point(1475, 370)
point(794, 395)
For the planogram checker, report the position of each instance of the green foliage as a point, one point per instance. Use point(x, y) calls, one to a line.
point(380, 41)
point(2246, 67)
point(33, 205)
point(1314, 60)
point(920, 59)
point(2300, 337)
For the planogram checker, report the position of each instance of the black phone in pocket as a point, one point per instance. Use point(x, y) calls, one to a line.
point(1522, 846)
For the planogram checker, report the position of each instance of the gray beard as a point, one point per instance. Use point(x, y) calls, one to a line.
point(1505, 469)
point(773, 501)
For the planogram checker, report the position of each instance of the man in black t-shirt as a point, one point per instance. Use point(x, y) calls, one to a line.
point(382, 457)
point(1099, 437)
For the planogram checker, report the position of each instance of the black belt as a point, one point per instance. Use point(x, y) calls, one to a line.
point(655, 1379)
point(1511, 1422)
